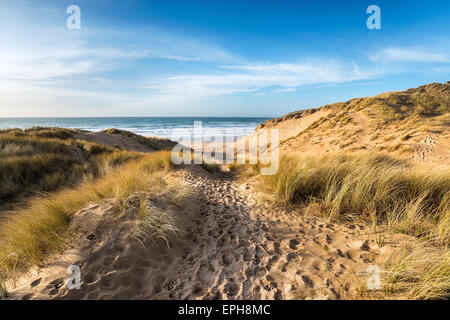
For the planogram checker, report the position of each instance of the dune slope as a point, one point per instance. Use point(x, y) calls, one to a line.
point(410, 124)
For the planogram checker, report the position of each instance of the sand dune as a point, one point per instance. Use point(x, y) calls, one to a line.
point(234, 249)
point(409, 124)
point(240, 244)
point(114, 140)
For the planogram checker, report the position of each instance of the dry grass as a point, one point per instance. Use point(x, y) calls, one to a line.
point(373, 121)
point(410, 198)
point(28, 236)
point(418, 270)
point(152, 142)
point(165, 219)
point(46, 159)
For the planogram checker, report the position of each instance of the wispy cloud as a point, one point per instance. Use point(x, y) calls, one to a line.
point(409, 55)
point(43, 63)
point(46, 68)
point(254, 77)
point(284, 90)
point(35, 44)
point(61, 61)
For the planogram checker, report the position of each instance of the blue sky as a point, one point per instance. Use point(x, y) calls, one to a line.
point(213, 58)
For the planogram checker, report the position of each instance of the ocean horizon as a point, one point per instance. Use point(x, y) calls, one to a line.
point(163, 127)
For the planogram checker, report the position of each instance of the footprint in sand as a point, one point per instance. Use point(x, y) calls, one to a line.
point(231, 288)
point(293, 244)
point(227, 258)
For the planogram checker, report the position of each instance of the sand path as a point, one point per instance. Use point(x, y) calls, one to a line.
point(234, 249)
point(248, 251)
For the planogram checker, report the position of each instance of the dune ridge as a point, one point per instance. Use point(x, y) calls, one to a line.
point(409, 124)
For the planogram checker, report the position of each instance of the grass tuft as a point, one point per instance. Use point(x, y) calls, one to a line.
point(418, 270)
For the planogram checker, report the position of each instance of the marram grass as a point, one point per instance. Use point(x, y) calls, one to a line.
point(412, 198)
point(29, 235)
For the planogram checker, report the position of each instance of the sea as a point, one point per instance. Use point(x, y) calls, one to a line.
point(164, 127)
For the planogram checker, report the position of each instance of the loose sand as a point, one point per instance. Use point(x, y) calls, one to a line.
point(233, 249)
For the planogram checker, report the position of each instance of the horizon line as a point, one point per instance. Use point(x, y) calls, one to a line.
point(99, 117)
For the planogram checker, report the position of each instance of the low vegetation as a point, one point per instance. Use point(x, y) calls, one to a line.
point(46, 159)
point(414, 199)
point(53, 175)
point(418, 270)
point(28, 236)
point(152, 142)
point(371, 120)
point(387, 193)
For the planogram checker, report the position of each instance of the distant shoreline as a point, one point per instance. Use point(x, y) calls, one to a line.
point(163, 127)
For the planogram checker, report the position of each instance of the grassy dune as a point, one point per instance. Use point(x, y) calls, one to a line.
point(337, 167)
point(412, 198)
point(384, 192)
point(152, 142)
point(55, 175)
point(396, 122)
point(29, 235)
point(45, 159)
point(48, 175)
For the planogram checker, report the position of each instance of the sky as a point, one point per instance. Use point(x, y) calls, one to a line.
point(213, 57)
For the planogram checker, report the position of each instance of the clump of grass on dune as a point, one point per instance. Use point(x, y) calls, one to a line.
point(376, 188)
point(48, 132)
point(41, 132)
point(418, 270)
point(163, 220)
point(29, 235)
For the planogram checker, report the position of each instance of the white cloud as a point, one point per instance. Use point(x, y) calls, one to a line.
point(409, 55)
point(284, 90)
point(253, 77)
point(43, 65)
point(35, 44)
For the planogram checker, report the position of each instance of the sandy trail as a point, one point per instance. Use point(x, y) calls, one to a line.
point(249, 251)
point(234, 249)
